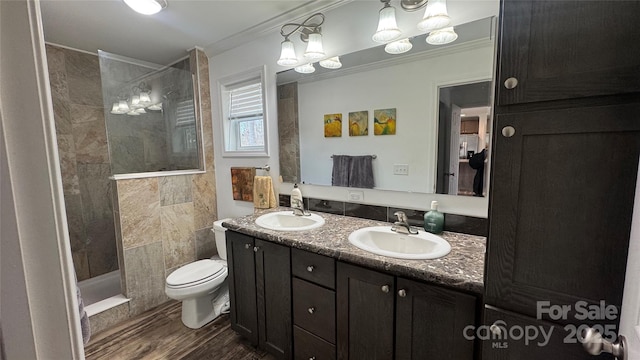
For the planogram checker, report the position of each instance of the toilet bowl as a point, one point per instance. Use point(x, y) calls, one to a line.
point(202, 285)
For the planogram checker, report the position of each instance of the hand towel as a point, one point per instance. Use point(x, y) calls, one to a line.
point(263, 195)
point(242, 183)
point(84, 319)
point(340, 174)
point(361, 172)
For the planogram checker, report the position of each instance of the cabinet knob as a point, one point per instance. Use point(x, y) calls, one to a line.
point(312, 358)
point(496, 330)
point(508, 131)
point(594, 344)
point(247, 246)
point(256, 248)
point(511, 83)
point(402, 293)
point(311, 310)
point(310, 268)
point(385, 288)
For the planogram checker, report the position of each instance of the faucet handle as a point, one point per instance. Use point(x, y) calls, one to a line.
point(402, 217)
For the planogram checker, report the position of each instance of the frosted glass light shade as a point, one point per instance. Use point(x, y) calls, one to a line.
point(305, 69)
point(144, 99)
point(146, 7)
point(314, 47)
point(442, 36)
point(115, 109)
point(387, 26)
point(398, 47)
point(435, 16)
point(331, 63)
point(287, 54)
point(135, 101)
point(123, 107)
point(155, 107)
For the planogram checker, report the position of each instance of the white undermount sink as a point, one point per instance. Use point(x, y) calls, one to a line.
point(381, 240)
point(286, 221)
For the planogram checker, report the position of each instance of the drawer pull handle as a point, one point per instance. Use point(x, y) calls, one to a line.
point(385, 288)
point(511, 83)
point(256, 248)
point(310, 268)
point(311, 310)
point(402, 293)
point(247, 246)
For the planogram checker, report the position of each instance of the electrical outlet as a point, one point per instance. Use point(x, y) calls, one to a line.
point(356, 196)
point(400, 169)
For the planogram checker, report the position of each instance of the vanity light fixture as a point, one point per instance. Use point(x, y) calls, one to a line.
point(442, 36)
point(146, 7)
point(305, 69)
point(137, 103)
point(435, 16)
point(398, 47)
point(310, 32)
point(331, 63)
point(387, 27)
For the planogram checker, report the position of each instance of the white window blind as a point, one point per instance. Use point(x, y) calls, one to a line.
point(185, 113)
point(246, 102)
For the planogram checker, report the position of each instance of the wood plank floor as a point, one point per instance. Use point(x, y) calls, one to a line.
point(159, 334)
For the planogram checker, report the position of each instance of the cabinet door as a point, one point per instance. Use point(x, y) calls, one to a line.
point(560, 49)
point(430, 322)
point(562, 193)
point(242, 285)
point(524, 338)
point(364, 313)
point(273, 275)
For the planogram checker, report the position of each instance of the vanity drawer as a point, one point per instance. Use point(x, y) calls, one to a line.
point(313, 267)
point(314, 309)
point(308, 346)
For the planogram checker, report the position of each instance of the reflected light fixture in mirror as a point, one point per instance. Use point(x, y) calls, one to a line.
point(310, 32)
point(442, 36)
point(146, 7)
point(435, 16)
point(331, 63)
point(387, 27)
point(398, 47)
point(305, 69)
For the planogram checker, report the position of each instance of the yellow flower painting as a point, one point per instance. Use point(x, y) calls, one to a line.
point(384, 122)
point(333, 125)
point(358, 123)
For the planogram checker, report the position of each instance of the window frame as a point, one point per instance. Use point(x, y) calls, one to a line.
point(230, 146)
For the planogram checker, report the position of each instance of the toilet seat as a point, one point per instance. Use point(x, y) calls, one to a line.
point(196, 273)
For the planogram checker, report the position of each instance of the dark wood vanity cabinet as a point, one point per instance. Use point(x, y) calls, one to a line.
point(426, 321)
point(260, 292)
point(559, 49)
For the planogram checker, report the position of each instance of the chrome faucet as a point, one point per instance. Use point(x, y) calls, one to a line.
point(402, 225)
point(298, 208)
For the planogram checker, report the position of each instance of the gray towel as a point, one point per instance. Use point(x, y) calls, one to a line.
point(361, 172)
point(84, 319)
point(340, 174)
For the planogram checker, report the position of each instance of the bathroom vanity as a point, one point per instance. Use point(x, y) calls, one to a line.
point(313, 295)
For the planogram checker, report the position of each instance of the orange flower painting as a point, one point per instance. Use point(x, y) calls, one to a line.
point(333, 125)
point(384, 122)
point(358, 123)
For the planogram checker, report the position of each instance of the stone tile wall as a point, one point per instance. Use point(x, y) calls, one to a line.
point(84, 159)
point(165, 222)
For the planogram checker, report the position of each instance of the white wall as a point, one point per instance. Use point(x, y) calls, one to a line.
point(347, 28)
point(412, 89)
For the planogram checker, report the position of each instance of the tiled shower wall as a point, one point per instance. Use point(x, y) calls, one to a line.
point(84, 159)
point(165, 222)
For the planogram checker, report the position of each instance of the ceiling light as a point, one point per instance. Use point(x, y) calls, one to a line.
point(305, 69)
point(387, 26)
point(331, 63)
point(435, 16)
point(155, 107)
point(398, 47)
point(146, 7)
point(442, 36)
point(310, 32)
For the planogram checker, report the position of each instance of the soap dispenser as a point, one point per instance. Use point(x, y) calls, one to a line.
point(296, 196)
point(434, 219)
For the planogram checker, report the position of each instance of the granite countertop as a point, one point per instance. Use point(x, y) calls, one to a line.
point(462, 268)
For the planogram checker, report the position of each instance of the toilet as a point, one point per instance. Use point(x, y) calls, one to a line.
point(202, 285)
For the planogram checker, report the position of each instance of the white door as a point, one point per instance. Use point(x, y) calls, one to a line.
point(454, 151)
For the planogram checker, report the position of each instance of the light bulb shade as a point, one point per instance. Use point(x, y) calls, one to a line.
point(442, 36)
point(144, 99)
point(314, 47)
point(141, 111)
point(123, 107)
point(287, 54)
point(305, 69)
point(135, 101)
point(331, 63)
point(133, 113)
point(387, 26)
point(398, 47)
point(435, 16)
point(155, 107)
point(146, 7)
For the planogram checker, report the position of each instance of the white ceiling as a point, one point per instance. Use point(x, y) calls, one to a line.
point(216, 25)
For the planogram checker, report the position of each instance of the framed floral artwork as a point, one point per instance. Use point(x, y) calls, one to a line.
point(358, 123)
point(384, 122)
point(332, 125)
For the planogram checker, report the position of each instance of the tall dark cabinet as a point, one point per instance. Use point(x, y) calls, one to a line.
point(564, 166)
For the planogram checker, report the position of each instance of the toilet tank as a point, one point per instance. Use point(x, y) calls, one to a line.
point(221, 239)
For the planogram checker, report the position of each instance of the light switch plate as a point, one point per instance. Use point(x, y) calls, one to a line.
point(400, 169)
point(355, 196)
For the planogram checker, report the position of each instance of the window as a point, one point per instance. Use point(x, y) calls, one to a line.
point(243, 115)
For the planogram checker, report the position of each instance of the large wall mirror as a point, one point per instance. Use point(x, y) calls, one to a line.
point(424, 86)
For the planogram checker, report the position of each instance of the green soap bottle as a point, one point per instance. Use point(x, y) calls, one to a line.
point(434, 219)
